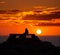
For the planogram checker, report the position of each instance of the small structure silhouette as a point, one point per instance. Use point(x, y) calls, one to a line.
point(26, 31)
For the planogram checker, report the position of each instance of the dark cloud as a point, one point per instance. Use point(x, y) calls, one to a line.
point(10, 11)
point(48, 24)
point(2, 11)
point(52, 15)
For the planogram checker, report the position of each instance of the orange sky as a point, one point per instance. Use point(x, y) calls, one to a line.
point(33, 20)
point(28, 4)
point(19, 28)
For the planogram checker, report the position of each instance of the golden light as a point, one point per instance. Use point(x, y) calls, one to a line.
point(38, 31)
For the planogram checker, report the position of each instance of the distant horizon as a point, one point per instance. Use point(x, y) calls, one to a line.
point(34, 34)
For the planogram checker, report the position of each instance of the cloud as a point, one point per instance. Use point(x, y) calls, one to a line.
point(44, 8)
point(48, 24)
point(44, 15)
point(39, 7)
point(4, 18)
point(2, 2)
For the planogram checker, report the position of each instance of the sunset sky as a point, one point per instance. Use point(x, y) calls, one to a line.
point(28, 4)
point(34, 14)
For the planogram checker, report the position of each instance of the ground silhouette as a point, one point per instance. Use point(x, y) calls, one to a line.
point(29, 44)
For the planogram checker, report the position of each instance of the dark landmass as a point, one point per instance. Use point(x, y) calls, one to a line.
point(27, 44)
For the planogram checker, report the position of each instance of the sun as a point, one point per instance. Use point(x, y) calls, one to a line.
point(38, 31)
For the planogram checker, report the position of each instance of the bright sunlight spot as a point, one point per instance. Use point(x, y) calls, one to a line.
point(38, 31)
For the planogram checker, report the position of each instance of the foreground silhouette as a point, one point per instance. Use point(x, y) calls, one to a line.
point(29, 44)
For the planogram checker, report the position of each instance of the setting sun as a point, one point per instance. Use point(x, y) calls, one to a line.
point(38, 31)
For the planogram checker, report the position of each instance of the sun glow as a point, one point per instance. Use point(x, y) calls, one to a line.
point(38, 31)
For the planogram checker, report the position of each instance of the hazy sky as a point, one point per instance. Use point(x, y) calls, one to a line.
point(28, 4)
